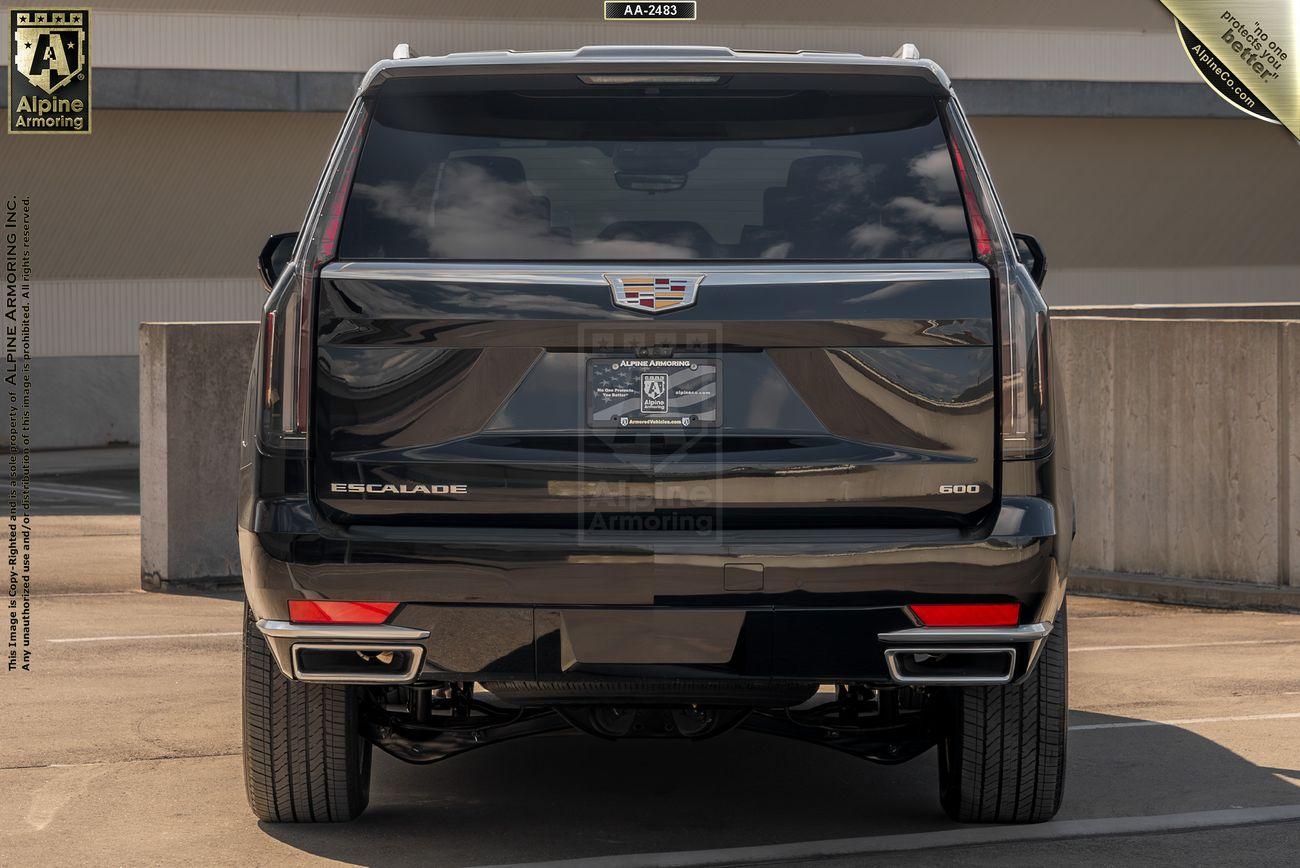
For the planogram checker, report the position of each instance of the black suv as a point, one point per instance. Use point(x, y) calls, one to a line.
point(655, 392)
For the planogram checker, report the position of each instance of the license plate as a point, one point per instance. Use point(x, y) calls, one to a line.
point(652, 393)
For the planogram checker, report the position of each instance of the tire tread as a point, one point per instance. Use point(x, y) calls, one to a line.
point(303, 759)
point(1002, 756)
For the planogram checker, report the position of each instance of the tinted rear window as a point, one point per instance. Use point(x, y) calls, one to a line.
point(592, 175)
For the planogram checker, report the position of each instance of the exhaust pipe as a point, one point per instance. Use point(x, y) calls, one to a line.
point(357, 664)
point(954, 665)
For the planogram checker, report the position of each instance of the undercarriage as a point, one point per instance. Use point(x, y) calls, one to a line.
point(428, 723)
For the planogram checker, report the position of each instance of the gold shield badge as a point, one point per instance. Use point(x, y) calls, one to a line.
point(49, 71)
point(50, 47)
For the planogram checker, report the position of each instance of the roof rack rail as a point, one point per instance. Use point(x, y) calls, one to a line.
point(907, 51)
point(402, 51)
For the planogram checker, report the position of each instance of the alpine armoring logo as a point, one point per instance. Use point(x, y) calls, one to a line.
point(49, 71)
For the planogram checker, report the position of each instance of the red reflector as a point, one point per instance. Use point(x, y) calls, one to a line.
point(338, 612)
point(967, 614)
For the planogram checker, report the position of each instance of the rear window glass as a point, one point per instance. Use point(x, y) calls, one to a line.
point(582, 175)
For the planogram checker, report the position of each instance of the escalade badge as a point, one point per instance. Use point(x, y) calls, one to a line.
point(652, 294)
point(403, 488)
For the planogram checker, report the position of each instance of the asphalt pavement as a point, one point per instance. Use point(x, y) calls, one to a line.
point(122, 748)
point(86, 481)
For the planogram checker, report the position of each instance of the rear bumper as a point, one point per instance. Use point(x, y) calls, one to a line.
point(822, 607)
point(629, 645)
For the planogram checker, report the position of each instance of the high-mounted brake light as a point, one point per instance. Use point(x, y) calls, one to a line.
point(967, 614)
point(637, 78)
point(339, 612)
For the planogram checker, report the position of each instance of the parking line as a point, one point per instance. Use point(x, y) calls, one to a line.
point(89, 594)
point(81, 491)
point(148, 636)
point(1053, 831)
point(1184, 645)
point(1187, 721)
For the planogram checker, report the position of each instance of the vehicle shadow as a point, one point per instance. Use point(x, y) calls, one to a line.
point(567, 796)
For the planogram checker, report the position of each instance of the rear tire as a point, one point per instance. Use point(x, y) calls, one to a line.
point(304, 759)
point(1002, 751)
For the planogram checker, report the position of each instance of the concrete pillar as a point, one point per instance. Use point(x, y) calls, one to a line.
point(193, 379)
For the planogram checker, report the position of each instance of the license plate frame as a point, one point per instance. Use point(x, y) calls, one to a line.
point(682, 394)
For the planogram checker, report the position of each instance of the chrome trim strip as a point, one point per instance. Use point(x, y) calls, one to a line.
point(342, 632)
point(408, 674)
point(1023, 633)
point(969, 681)
point(718, 273)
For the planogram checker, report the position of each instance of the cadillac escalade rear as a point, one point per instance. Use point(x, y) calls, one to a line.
point(653, 393)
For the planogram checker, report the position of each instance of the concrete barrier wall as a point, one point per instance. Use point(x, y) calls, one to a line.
point(193, 378)
point(1183, 446)
point(1185, 439)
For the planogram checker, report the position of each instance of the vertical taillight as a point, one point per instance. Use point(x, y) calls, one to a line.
point(281, 362)
point(1022, 314)
point(288, 316)
point(268, 356)
point(981, 242)
point(1026, 431)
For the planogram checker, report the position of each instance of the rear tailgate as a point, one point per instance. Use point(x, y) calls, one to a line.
point(750, 302)
point(786, 396)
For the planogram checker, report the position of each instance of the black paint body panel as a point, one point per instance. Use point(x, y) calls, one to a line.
point(847, 402)
point(844, 402)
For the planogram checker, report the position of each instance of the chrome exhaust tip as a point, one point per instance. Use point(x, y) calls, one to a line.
point(341, 663)
point(954, 665)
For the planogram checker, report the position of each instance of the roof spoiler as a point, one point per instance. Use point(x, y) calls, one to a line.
point(906, 64)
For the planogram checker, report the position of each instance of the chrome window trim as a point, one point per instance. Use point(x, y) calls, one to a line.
point(715, 273)
point(1023, 633)
point(341, 632)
